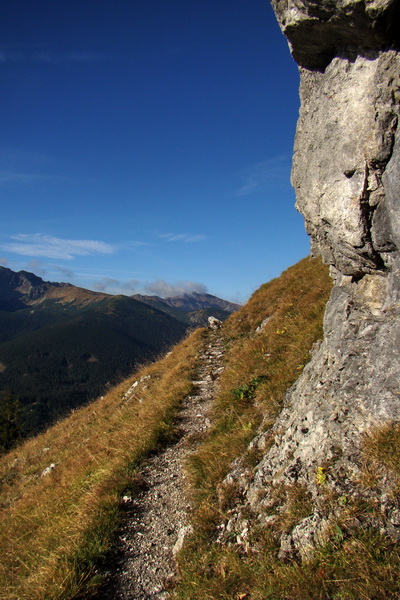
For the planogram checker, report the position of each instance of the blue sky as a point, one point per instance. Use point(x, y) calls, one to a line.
point(146, 145)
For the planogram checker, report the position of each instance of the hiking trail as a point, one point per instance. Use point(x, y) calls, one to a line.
point(141, 564)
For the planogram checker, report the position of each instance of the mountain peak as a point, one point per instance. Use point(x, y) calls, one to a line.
point(22, 288)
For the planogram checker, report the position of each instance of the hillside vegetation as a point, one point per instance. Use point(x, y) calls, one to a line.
point(57, 522)
point(62, 346)
point(60, 491)
point(74, 353)
point(356, 559)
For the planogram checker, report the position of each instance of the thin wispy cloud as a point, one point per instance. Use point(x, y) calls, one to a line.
point(4, 262)
point(37, 267)
point(38, 244)
point(114, 286)
point(50, 270)
point(165, 289)
point(132, 245)
point(36, 54)
point(262, 175)
point(16, 178)
point(182, 237)
point(67, 273)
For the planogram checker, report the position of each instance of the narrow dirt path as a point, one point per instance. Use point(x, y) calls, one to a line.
point(157, 519)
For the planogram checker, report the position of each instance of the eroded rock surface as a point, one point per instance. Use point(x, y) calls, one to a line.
point(345, 140)
point(346, 173)
point(319, 30)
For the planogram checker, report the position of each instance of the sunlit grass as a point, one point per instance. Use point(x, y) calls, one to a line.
point(54, 527)
point(262, 365)
point(353, 563)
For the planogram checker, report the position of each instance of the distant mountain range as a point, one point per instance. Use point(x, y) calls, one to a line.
point(191, 308)
point(60, 345)
point(22, 289)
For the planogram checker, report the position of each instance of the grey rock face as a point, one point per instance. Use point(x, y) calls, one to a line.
point(319, 30)
point(346, 173)
point(344, 142)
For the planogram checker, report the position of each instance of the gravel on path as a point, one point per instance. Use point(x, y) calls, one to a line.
point(141, 565)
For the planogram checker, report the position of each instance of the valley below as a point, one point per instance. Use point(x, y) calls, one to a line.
point(62, 346)
point(274, 435)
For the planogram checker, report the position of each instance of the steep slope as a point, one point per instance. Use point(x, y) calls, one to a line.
point(61, 345)
point(296, 493)
point(71, 482)
point(60, 492)
point(312, 508)
point(318, 515)
point(346, 176)
point(155, 521)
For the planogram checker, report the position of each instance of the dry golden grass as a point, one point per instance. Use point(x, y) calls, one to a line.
point(382, 446)
point(54, 526)
point(262, 366)
point(354, 564)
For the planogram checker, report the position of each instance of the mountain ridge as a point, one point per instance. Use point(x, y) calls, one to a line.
point(191, 308)
point(19, 289)
point(23, 288)
point(61, 345)
point(192, 301)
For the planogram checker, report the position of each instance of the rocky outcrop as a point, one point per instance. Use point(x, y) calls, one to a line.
point(320, 30)
point(346, 173)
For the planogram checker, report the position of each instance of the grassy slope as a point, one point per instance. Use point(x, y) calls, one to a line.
point(353, 563)
point(53, 526)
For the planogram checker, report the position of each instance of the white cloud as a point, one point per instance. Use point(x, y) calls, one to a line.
point(107, 282)
point(38, 244)
point(261, 175)
point(130, 285)
point(132, 245)
point(114, 286)
point(164, 289)
point(36, 266)
point(4, 262)
point(67, 273)
point(12, 177)
point(182, 237)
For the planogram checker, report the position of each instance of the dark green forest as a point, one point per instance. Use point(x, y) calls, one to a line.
point(55, 357)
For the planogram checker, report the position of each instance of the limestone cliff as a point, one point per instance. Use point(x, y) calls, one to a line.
point(346, 173)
